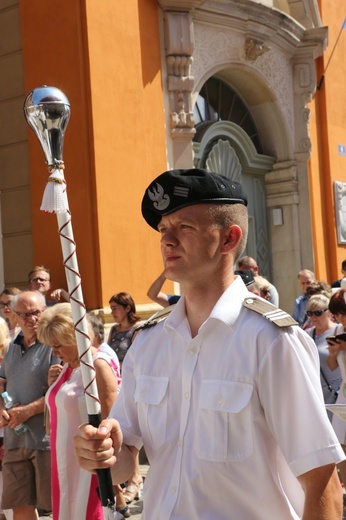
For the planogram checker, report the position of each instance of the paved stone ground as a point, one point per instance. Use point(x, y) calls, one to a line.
point(137, 505)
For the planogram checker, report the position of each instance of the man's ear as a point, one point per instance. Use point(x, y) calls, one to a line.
point(232, 238)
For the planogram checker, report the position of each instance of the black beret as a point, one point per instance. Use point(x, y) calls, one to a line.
point(246, 275)
point(176, 189)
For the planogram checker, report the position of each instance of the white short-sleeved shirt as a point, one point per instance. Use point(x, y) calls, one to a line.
point(228, 418)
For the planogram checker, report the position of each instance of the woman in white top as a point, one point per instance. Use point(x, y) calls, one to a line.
point(67, 410)
point(322, 326)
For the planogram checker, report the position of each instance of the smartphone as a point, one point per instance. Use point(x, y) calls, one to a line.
point(342, 337)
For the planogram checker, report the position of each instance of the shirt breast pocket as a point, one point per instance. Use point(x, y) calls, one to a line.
point(151, 399)
point(224, 421)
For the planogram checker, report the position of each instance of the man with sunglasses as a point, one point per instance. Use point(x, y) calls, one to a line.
point(24, 375)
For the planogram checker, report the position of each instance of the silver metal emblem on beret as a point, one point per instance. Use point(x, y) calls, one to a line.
point(160, 199)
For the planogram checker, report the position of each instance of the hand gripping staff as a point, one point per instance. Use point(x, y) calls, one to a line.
point(47, 111)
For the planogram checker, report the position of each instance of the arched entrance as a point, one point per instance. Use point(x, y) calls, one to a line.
point(231, 147)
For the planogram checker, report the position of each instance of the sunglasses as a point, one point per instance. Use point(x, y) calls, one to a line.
point(316, 313)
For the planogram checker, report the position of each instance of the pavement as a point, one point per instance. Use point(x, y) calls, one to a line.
point(136, 506)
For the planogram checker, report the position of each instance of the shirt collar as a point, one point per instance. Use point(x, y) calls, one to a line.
point(226, 309)
point(19, 340)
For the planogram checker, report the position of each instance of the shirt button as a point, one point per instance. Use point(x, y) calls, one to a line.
point(180, 443)
point(187, 395)
point(174, 489)
point(192, 351)
point(143, 393)
point(219, 400)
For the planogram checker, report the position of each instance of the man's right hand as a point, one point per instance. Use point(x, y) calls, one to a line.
point(97, 448)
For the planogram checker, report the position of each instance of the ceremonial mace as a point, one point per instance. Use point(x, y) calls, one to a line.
point(47, 111)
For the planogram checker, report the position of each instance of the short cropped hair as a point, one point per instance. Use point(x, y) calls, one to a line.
point(38, 268)
point(21, 294)
point(306, 272)
point(225, 215)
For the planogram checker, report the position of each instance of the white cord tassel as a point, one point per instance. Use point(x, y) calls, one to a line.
point(54, 197)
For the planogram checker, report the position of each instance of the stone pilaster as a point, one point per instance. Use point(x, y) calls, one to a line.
point(179, 47)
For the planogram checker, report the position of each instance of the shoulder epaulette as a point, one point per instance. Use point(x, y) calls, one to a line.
point(269, 311)
point(156, 318)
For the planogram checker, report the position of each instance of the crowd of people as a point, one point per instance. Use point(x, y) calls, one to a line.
point(226, 402)
point(40, 370)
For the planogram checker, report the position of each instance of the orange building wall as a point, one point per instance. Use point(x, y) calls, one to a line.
point(105, 57)
point(328, 130)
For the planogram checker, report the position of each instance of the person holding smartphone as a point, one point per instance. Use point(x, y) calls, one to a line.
point(337, 360)
point(322, 327)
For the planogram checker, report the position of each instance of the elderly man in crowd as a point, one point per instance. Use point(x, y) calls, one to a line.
point(305, 279)
point(249, 263)
point(24, 375)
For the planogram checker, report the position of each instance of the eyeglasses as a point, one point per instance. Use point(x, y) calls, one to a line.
point(39, 279)
point(27, 315)
point(5, 304)
point(316, 313)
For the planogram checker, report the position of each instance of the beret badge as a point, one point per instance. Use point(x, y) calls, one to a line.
point(160, 200)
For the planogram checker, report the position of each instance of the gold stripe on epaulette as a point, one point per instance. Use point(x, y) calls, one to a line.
point(270, 312)
point(157, 317)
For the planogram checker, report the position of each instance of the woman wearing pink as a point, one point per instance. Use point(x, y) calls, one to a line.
point(74, 491)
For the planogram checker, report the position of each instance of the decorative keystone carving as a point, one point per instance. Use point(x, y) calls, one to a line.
point(254, 48)
point(179, 49)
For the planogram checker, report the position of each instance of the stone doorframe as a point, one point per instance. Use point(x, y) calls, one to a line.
point(269, 59)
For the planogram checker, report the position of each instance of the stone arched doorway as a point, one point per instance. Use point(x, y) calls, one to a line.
point(274, 73)
point(227, 141)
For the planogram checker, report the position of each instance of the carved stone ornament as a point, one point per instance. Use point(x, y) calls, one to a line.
point(254, 48)
point(223, 159)
point(340, 210)
point(179, 49)
point(218, 48)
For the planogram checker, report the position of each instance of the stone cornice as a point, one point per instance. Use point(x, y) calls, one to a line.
point(261, 22)
point(179, 5)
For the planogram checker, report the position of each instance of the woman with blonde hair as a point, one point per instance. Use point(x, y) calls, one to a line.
point(322, 326)
point(67, 410)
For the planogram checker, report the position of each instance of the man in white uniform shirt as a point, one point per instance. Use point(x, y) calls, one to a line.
point(228, 405)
